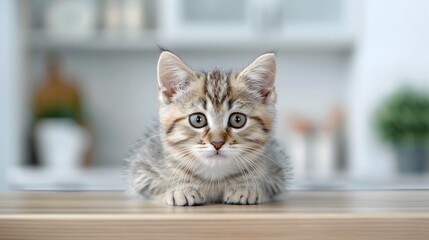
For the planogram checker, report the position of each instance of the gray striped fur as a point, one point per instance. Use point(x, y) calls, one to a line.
point(176, 163)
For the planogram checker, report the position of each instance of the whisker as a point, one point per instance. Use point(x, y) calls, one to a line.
point(255, 181)
point(260, 170)
point(242, 170)
point(146, 139)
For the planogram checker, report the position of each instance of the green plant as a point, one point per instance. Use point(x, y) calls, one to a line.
point(403, 118)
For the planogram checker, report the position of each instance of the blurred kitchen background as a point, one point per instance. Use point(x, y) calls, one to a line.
point(78, 84)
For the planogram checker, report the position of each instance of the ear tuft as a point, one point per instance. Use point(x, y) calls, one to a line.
point(260, 74)
point(173, 74)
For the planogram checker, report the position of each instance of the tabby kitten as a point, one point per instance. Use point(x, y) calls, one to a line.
point(213, 141)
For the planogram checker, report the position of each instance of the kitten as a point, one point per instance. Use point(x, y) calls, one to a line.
point(213, 141)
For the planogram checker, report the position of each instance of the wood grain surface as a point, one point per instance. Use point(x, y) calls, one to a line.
point(296, 215)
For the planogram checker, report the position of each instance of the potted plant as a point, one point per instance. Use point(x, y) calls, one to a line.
point(403, 122)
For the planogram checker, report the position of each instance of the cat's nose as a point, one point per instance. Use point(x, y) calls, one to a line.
point(217, 139)
point(217, 144)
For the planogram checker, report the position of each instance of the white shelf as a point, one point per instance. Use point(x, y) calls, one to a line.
point(403, 182)
point(39, 178)
point(40, 40)
point(149, 41)
point(113, 178)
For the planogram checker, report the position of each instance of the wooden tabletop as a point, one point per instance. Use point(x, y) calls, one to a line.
point(296, 215)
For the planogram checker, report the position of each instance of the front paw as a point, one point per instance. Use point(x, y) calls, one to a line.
point(242, 195)
point(185, 196)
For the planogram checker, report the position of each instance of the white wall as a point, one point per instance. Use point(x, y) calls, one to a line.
point(8, 88)
point(393, 48)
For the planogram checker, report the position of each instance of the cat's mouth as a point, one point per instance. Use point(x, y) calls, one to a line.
point(217, 154)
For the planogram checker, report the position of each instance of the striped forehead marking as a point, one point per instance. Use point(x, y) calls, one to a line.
point(217, 87)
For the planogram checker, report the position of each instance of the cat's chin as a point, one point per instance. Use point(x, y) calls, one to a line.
point(216, 166)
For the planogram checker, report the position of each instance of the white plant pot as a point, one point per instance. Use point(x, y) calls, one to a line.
point(62, 144)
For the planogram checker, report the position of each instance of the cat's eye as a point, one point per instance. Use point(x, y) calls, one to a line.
point(237, 120)
point(198, 120)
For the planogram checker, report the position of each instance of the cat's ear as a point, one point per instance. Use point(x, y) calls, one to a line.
point(173, 74)
point(260, 75)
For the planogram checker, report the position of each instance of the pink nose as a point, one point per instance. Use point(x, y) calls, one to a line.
point(217, 144)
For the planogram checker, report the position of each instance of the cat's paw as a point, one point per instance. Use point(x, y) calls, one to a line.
point(185, 196)
point(242, 195)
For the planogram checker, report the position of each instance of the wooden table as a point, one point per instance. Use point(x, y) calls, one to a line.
point(297, 215)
